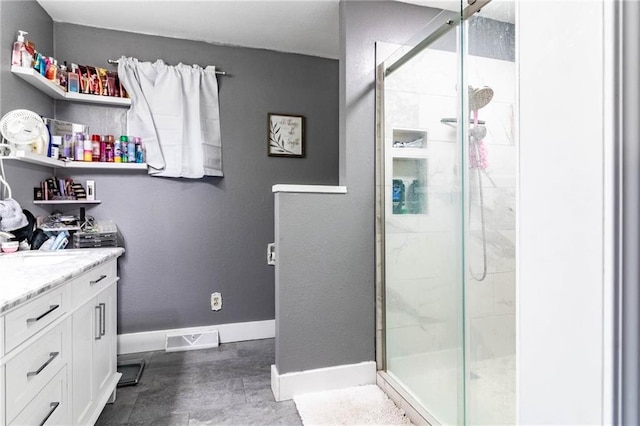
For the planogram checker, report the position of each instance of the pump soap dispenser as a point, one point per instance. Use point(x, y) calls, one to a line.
point(20, 55)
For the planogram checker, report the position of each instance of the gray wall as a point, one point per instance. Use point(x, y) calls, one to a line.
point(323, 313)
point(16, 93)
point(188, 238)
point(326, 276)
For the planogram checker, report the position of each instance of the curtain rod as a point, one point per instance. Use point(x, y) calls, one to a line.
point(116, 62)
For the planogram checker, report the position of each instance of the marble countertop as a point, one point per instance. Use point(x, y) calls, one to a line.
point(24, 275)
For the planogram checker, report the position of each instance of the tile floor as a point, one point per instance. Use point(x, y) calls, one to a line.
point(230, 384)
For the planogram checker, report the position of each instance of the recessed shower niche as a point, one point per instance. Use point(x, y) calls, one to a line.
point(408, 154)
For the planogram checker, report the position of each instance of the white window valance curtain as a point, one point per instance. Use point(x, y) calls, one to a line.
point(175, 110)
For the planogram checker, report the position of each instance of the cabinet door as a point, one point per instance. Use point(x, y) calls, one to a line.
point(104, 350)
point(84, 335)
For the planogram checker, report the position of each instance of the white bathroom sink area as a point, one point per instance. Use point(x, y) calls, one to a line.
point(39, 258)
point(26, 274)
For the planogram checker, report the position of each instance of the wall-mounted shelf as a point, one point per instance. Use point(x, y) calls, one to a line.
point(408, 153)
point(408, 136)
point(34, 78)
point(56, 202)
point(50, 162)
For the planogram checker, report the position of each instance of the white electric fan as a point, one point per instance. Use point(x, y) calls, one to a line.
point(18, 128)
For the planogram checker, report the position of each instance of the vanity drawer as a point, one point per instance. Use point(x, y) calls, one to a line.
point(34, 315)
point(34, 366)
point(91, 283)
point(49, 407)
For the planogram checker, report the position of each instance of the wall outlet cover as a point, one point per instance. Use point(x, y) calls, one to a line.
point(216, 301)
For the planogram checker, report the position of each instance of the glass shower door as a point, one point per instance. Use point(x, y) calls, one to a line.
point(423, 229)
point(448, 185)
point(490, 331)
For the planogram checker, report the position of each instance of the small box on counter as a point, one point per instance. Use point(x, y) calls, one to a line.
point(102, 234)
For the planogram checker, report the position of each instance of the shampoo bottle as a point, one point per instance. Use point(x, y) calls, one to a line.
point(19, 50)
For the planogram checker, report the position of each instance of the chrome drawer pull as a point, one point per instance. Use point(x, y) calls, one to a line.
point(98, 330)
point(51, 309)
point(53, 406)
point(103, 319)
point(52, 356)
point(102, 277)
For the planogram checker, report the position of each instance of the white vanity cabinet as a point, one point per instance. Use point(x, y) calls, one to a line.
point(58, 352)
point(94, 343)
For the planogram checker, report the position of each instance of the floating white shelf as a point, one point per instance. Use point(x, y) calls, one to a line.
point(53, 202)
point(108, 166)
point(34, 78)
point(47, 161)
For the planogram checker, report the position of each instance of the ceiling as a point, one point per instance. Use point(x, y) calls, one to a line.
point(299, 26)
point(307, 27)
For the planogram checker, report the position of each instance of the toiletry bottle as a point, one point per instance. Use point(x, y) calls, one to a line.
point(138, 147)
point(62, 76)
point(52, 70)
point(103, 149)
point(397, 196)
point(67, 146)
point(88, 149)
point(109, 148)
point(17, 55)
point(29, 54)
point(95, 147)
point(131, 155)
point(117, 150)
point(79, 147)
point(73, 80)
point(124, 149)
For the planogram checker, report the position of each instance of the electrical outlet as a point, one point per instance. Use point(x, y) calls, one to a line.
point(216, 301)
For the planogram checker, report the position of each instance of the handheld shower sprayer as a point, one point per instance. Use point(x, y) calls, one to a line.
point(479, 98)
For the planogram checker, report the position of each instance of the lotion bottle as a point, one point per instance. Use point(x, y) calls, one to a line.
point(19, 49)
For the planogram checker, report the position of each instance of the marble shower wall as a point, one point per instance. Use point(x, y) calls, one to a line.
point(423, 294)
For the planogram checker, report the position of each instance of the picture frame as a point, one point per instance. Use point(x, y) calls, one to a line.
point(285, 135)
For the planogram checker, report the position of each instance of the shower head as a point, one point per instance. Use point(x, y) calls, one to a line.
point(479, 97)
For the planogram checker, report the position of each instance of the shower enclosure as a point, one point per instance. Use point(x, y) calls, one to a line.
point(446, 192)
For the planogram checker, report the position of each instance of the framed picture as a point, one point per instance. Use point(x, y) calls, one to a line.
point(286, 135)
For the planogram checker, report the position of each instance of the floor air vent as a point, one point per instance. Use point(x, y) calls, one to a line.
point(191, 341)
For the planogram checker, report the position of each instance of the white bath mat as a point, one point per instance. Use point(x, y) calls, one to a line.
point(361, 405)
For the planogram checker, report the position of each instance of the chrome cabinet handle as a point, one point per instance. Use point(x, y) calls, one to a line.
point(51, 309)
point(102, 277)
point(52, 356)
point(98, 330)
point(53, 406)
point(103, 319)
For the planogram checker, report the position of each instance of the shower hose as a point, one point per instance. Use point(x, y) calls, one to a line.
point(478, 163)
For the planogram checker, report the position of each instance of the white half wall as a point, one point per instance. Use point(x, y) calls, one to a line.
point(288, 385)
point(563, 212)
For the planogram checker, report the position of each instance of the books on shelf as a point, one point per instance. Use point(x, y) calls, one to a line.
point(59, 189)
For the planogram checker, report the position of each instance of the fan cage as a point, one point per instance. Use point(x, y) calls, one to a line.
point(22, 127)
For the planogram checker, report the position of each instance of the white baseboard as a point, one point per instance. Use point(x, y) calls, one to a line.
point(286, 386)
point(236, 332)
